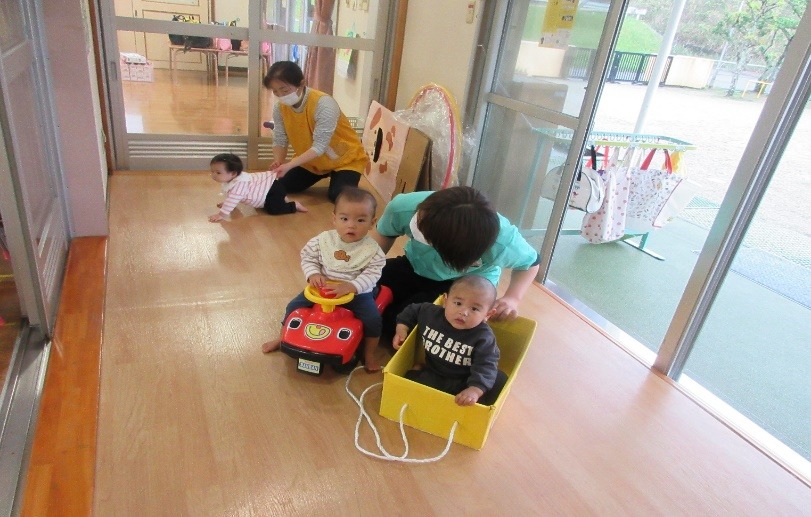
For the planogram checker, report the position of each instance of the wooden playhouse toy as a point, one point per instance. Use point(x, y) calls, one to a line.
point(435, 412)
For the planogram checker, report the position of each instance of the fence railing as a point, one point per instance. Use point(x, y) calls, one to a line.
point(634, 67)
point(627, 67)
point(637, 68)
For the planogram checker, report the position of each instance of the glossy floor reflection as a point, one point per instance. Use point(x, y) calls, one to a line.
point(194, 419)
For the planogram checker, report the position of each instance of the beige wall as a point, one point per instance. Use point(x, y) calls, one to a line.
point(693, 72)
point(227, 10)
point(67, 25)
point(438, 48)
point(353, 94)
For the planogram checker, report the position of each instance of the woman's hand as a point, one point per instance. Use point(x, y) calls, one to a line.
point(469, 396)
point(506, 309)
point(281, 169)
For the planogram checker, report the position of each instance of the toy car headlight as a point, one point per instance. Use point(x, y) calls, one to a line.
point(344, 334)
point(294, 323)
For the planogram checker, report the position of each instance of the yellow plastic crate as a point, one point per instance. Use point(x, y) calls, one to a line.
point(434, 411)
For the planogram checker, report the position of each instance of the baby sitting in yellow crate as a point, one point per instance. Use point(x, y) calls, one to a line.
point(461, 355)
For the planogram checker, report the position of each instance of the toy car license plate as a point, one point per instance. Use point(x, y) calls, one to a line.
point(311, 367)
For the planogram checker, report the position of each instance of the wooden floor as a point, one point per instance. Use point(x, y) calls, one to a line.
point(195, 420)
point(191, 103)
point(62, 463)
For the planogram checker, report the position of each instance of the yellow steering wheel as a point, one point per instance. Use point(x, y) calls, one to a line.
point(327, 304)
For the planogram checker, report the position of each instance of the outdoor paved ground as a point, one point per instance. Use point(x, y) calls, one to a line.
point(720, 128)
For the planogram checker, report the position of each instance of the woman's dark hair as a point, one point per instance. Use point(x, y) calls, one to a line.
point(232, 162)
point(460, 224)
point(286, 72)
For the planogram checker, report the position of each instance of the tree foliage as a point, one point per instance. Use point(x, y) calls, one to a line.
point(695, 34)
point(744, 31)
point(760, 30)
point(764, 25)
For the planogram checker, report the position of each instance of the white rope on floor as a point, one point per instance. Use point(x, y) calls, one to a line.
point(385, 455)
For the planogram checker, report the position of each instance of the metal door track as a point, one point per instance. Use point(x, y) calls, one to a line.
point(19, 408)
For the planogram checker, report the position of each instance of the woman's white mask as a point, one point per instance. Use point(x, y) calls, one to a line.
point(290, 99)
point(415, 231)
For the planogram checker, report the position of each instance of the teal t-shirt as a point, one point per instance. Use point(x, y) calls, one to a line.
point(509, 251)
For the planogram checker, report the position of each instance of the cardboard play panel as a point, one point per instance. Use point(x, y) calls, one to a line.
point(399, 155)
point(433, 411)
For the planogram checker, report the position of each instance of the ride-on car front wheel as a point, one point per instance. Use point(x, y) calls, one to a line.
point(347, 366)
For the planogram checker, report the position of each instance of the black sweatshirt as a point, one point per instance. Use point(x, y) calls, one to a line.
point(468, 353)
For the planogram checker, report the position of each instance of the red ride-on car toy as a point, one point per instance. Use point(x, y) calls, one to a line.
point(326, 333)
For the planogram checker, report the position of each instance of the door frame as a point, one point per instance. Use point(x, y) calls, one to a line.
point(489, 48)
point(38, 242)
point(178, 151)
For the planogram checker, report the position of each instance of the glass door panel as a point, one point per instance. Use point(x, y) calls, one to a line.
point(545, 67)
point(203, 98)
point(637, 291)
point(11, 26)
point(533, 91)
point(534, 103)
point(294, 16)
point(753, 350)
point(192, 92)
point(337, 17)
point(517, 156)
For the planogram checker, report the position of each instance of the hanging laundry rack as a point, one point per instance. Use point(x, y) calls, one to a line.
point(629, 141)
point(618, 139)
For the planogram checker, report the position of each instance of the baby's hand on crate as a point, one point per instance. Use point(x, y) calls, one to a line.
point(400, 335)
point(469, 396)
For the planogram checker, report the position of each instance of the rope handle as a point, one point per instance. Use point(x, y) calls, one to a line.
point(386, 455)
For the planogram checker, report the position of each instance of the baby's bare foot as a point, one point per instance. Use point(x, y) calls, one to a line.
point(271, 346)
point(371, 365)
point(301, 208)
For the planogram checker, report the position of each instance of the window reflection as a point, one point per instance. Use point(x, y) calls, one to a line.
point(11, 25)
point(546, 67)
point(171, 89)
point(513, 159)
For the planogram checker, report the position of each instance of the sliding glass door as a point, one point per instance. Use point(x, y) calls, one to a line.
point(185, 78)
point(535, 104)
point(35, 218)
point(724, 308)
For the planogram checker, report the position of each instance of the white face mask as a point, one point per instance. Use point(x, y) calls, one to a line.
point(290, 99)
point(418, 236)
